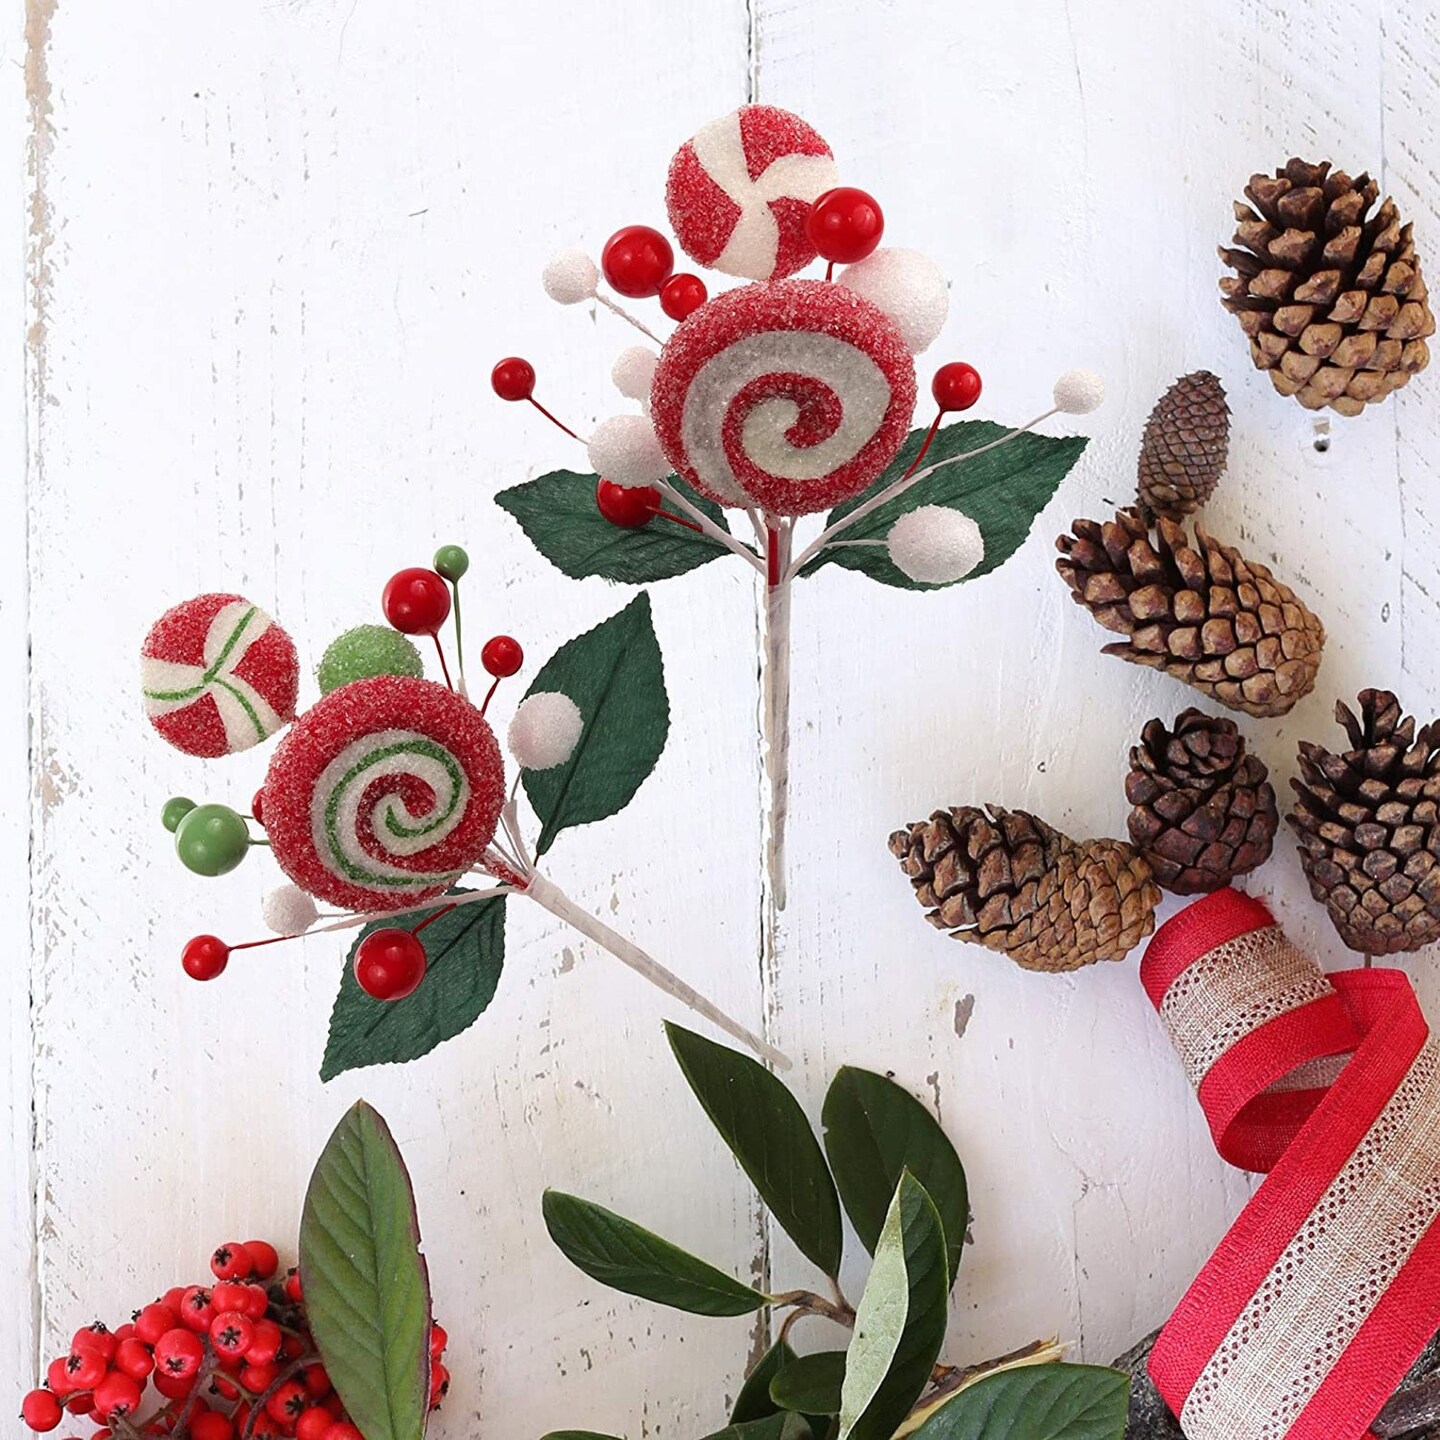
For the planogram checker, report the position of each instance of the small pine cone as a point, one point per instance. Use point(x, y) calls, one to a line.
point(1186, 441)
point(1008, 881)
point(1204, 810)
point(1333, 302)
point(1368, 823)
point(1198, 611)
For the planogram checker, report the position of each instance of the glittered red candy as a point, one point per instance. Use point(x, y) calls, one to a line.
point(739, 192)
point(384, 793)
point(218, 675)
point(794, 396)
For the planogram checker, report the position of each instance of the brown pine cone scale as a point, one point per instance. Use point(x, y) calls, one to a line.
point(1185, 446)
point(1007, 880)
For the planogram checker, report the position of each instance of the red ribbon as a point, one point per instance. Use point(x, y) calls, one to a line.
point(1327, 1287)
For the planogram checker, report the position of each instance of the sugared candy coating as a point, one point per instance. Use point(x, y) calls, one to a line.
point(794, 396)
point(935, 545)
point(218, 675)
point(545, 730)
point(908, 286)
point(384, 793)
point(366, 651)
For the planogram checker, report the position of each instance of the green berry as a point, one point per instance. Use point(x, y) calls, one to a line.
point(175, 809)
point(452, 562)
point(211, 839)
point(366, 651)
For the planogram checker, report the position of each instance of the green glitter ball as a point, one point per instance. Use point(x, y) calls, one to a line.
point(452, 562)
point(175, 809)
point(211, 840)
point(366, 651)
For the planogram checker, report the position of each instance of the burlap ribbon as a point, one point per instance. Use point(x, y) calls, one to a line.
point(1327, 1287)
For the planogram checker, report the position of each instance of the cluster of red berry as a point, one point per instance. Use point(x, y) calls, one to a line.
point(228, 1361)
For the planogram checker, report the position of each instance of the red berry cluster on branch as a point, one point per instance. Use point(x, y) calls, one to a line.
point(232, 1360)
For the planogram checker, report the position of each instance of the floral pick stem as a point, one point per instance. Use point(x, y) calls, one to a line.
point(775, 714)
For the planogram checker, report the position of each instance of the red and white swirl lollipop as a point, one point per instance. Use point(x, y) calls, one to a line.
point(384, 793)
point(792, 396)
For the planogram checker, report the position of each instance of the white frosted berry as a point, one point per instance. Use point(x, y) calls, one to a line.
point(909, 287)
point(632, 372)
point(935, 545)
point(624, 449)
point(570, 277)
point(289, 911)
point(545, 730)
point(1078, 392)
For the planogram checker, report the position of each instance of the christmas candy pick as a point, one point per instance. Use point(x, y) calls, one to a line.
point(773, 401)
point(387, 802)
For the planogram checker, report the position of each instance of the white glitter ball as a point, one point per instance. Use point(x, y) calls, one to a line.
point(935, 545)
point(570, 277)
point(289, 911)
point(1078, 392)
point(545, 730)
point(632, 372)
point(908, 287)
point(624, 449)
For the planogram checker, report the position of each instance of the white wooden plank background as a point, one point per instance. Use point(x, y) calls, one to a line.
point(271, 250)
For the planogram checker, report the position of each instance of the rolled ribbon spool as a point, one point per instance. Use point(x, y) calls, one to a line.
point(1327, 1287)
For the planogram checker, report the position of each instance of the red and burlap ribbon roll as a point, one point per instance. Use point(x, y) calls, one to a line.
point(1327, 1287)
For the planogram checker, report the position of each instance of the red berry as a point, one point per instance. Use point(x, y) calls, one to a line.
point(232, 1261)
point(416, 601)
point(123, 1332)
point(293, 1347)
point(267, 1262)
point(254, 1302)
point(682, 295)
point(390, 964)
point(264, 1428)
point(116, 1395)
point(513, 379)
point(340, 1430)
point(205, 957)
point(845, 225)
point(439, 1339)
point(57, 1376)
point(257, 806)
point(86, 1369)
point(153, 1321)
point(210, 1425)
point(956, 386)
point(292, 1285)
point(637, 261)
point(80, 1404)
point(265, 1341)
point(133, 1358)
point(225, 1389)
point(288, 1403)
point(178, 1354)
point(197, 1310)
point(174, 1297)
point(439, 1384)
point(40, 1410)
point(259, 1378)
point(173, 1387)
point(231, 1334)
point(230, 1295)
point(313, 1423)
point(628, 506)
point(502, 656)
point(97, 1337)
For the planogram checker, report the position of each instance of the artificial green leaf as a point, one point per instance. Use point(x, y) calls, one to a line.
point(874, 1131)
point(558, 514)
point(614, 675)
point(754, 1402)
point(811, 1383)
point(765, 1128)
point(625, 1256)
point(900, 1321)
point(464, 952)
point(1002, 491)
point(780, 1426)
point(1039, 1402)
point(367, 1296)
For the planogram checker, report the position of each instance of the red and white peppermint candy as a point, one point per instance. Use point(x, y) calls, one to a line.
point(384, 793)
point(218, 675)
point(739, 191)
point(793, 396)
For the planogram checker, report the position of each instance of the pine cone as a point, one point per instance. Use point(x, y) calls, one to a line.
point(1367, 825)
point(1204, 810)
point(1200, 612)
point(1334, 303)
point(1187, 438)
point(1008, 881)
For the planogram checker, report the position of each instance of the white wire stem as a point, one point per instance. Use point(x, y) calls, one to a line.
point(350, 922)
point(775, 715)
point(553, 899)
point(715, 532)
point(625, 315)
point(900, 487)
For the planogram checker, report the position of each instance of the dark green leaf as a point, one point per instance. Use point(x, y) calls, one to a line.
point(367, 1297)
point(464, 950)
point(1002, 491)
point(614, 675)
point(811, 1383)
point(900, 1321)
point(753, 1402)
point(1039, 1402)
point(558, 513)
point(781, 1426)
point(625, 1256)
point(763, 1124)
point(874, 1131)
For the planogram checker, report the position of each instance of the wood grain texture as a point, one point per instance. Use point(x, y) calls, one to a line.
point(271, 256)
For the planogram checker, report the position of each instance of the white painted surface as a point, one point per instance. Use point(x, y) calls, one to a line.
point(276, 247)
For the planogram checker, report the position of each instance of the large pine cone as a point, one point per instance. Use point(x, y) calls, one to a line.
point(1186, 442)
point(1008, 881)
point(1334, 303)
point(1204, 810)
point(1201, 612)
point(1367, 825)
